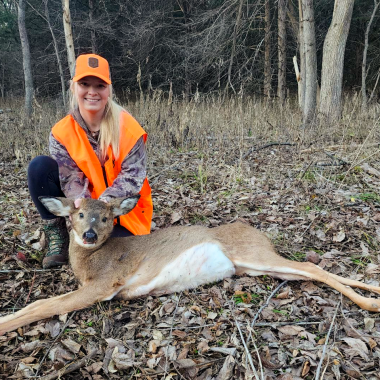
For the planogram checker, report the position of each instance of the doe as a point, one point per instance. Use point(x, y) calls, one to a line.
point(168, 260)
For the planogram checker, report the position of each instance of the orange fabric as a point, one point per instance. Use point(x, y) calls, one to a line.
point(92, 65)
point(70, 134)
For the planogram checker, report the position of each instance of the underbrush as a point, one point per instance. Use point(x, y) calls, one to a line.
point(230, 128)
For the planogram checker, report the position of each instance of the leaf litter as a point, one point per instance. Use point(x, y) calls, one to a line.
point(194, 335)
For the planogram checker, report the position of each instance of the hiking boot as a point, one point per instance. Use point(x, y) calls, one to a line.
point(57, 240)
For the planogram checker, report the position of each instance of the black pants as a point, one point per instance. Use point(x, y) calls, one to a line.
point(43, 179)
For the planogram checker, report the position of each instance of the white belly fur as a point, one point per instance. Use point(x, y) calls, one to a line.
point(198, 265)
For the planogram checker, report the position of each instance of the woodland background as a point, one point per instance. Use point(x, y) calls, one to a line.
point(187, 46)
point(234, 134)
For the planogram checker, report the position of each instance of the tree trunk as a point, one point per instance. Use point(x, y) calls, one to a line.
point(364, 63)
point(267, 41)
point(333, 59)
point(310, 75)
point(281, 89)
point(302, 79)
point(56, 49)
point(91, 17)
point(26, 59)
point(234, 38)
point(68, 36)
point(2, 86)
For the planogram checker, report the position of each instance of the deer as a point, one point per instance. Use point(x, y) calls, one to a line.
point(166, 261)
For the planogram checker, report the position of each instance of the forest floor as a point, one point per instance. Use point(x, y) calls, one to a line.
point(316, 204)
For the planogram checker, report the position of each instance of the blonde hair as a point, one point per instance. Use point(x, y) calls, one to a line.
point(109, 134)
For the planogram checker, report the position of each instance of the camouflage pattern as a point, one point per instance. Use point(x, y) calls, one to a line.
point(74, 183)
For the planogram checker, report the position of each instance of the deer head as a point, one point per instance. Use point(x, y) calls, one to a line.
point(93, 221)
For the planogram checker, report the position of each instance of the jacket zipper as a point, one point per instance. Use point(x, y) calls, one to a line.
point(105, 175)
point(106, 182)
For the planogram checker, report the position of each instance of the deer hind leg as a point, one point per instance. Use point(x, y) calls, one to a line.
point(291, 270)
point(356, 284)
point(41, 309)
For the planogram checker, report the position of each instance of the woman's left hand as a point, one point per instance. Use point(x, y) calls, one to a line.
point(77, 202)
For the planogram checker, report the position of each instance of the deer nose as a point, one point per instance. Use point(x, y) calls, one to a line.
point(90, 236)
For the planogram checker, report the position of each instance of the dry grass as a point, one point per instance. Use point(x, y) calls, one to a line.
point(207, 124)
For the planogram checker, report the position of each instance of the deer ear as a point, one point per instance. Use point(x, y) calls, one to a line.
point(123, 206)
point(58, 206)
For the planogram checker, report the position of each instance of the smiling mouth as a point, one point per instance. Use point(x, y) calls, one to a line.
point(92, 100)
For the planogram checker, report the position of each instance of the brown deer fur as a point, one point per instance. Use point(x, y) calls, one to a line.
point(165, 261)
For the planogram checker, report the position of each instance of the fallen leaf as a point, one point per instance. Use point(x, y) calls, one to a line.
point(71, 345)
point(185, 363)
point(290, 330)
point(339, 237)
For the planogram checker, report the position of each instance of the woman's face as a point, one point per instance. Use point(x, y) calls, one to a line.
point(92, 94)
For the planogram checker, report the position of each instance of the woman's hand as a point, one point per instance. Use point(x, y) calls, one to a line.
point(77, 202)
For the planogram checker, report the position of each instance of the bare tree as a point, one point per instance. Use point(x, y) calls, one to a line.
point(233, 49)
point(310, 74)
point(281, 89)
point(301, 79)
point(91, 18)
point(333, 59)
point(68, 36)
point(364, 63)
point(56, 49)
point(267, 60)
point(2, 82)
point(26, 59)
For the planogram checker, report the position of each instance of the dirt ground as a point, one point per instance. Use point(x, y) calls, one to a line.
point(314, 205)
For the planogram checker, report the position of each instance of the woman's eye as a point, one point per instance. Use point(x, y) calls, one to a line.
point(81, 215)
point(104, 219)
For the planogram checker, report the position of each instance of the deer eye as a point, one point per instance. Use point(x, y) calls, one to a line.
point(81, 215)
point(104, 219)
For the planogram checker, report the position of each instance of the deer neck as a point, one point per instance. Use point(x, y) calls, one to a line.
point(82, 260)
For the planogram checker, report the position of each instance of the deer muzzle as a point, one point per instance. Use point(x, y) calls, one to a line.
point(90, 237)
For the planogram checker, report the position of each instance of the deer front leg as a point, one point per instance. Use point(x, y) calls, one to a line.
point(79, 299)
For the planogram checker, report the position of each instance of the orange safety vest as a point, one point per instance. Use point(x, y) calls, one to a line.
point(70, 134)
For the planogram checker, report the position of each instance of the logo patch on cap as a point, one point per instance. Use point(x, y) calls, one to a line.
point(93, 62)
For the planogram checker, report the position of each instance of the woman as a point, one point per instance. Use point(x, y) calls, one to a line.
point(97, 151)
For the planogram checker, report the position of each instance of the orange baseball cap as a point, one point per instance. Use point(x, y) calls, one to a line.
point(92, 65)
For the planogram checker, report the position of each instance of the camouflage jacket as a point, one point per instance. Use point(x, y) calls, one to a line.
point(74, 183)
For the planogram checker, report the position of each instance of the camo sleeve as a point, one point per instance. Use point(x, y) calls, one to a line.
point(132, 175)
point(74, 183)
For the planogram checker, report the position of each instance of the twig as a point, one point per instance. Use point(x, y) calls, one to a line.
point(267, 301)
point(259, 359)
point(56, 338)
point(170, 335)
point(333, 157)
point(71, 367)
point(317, 375)
point(28, 270)
point(335, 147)
point(247, 351)
point(31, 288)
point(263, 306)
point(186, 327)
point(175, 311)
point(269, 324)
point(362, 337)
point(198, 365)
point(304, 172)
